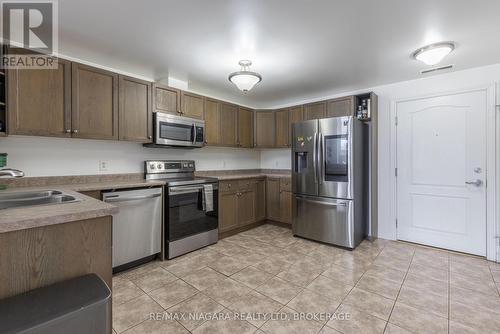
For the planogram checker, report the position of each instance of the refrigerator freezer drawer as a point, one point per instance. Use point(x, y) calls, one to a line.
point(324, 219)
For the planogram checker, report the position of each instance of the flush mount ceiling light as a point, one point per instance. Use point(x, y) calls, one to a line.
point(245, 79)
point(433, 54)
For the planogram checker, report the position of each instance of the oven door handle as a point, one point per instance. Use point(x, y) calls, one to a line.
point(186, 190)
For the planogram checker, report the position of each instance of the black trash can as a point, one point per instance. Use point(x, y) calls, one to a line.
point(78, 306)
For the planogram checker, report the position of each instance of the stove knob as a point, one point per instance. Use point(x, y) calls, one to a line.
point(160, 166)
point(152, 166)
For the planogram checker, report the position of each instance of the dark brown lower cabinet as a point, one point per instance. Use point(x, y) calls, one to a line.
point(37, 257)
point(228, 214)
point(246, 207)
point(273, 198)
point(279, 199)
point(260, 200)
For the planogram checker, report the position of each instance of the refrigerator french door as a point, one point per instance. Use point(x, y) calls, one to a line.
point(329, 180)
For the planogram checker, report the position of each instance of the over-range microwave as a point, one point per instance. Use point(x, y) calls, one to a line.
point(178, 131)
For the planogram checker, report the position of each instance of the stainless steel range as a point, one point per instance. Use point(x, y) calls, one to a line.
point(191, 206)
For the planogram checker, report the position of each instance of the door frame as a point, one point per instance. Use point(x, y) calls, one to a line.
point(492, 163)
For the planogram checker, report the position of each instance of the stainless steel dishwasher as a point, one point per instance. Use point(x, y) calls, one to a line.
point(137, 227)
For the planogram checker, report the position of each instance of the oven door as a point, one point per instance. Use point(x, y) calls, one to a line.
point(177, 131)
point(186, 214)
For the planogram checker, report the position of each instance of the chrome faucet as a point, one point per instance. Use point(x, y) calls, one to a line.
point(11, 172)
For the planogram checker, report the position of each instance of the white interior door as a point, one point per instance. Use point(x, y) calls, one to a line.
point(441, 161)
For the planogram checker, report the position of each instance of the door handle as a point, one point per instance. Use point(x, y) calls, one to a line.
point(131, 198)
point(315, 157)
point(321, 155)
point(322, 203)
point(477, 183)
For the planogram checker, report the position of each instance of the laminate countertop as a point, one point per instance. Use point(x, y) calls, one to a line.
point(240, 176)
point(85, 207)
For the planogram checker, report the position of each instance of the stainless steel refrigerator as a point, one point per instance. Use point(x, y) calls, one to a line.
point(330, 180)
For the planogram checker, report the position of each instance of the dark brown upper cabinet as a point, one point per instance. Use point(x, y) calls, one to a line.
point(245, 127)
point(192, 105)
point(315, 110)
point(282, 127)
point(265, 128)
point(212, 122)
point(228, 124)
point(296, 115)
point(94, 103)
point(39, 101)
point(166, 99)
point(343, 106)
point(135, 116)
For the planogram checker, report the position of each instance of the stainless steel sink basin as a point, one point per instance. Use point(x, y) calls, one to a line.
point(32, 198)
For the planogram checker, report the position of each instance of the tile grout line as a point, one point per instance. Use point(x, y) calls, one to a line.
point(345, 297)
point(400, 288)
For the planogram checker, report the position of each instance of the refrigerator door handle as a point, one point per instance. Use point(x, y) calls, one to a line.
point(315, 157)
point(321, 202)
point(321, 156)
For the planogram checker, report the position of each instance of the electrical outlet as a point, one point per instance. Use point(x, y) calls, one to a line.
point(103, 166)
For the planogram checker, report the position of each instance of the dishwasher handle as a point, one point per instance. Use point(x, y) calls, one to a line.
point(117, 198)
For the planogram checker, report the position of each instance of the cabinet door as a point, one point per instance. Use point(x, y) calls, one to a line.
point(246, 207)
point(166, 99)
point(228, 216)
point(135, 117)
point(264, 123)
point(192, 105)
point(340, 107)
point(286, 206)
point(315, 110)
point(296, 115)
point(228, 124)
point(260, 200)
point(39, 101)
point(273, 199)
point(212, 122)
point(282, 128)
point(95, 103)
point(245, 127)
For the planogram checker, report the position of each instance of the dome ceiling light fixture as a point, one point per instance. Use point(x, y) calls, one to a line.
point(245, 79)
point(432, 54)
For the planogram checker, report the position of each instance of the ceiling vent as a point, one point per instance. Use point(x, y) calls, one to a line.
point(435, 69)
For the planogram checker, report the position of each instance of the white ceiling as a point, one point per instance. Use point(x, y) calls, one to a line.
point(304, 49)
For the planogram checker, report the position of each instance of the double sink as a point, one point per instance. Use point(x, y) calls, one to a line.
point(34, 198)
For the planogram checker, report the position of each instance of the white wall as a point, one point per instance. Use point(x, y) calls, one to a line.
point(41, 156)
point(275, 158)
point(450, 82)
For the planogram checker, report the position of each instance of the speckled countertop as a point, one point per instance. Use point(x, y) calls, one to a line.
point(86, 207)
point(16, 219)
point(246, 174)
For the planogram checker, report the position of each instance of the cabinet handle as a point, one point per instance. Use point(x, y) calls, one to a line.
point(75, 131)
point(150, 137)
point(68, 131)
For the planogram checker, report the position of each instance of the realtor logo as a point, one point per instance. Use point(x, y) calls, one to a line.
point(29, 28)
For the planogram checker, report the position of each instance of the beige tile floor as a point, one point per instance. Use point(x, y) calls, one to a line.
point(381, 287)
